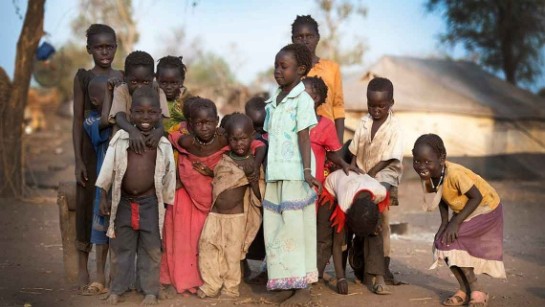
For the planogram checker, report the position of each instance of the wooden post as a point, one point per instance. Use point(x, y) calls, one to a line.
point(66, 200)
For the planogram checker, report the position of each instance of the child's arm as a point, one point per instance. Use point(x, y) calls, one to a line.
point(378, 167)
point(473, 201)
point(443, 210)
point(106, 105)
point(105, 204)
point(303, 139)
point(252, 173)
point(338, 240)
point(335, 157)
point(260, 154)
point(77, 133)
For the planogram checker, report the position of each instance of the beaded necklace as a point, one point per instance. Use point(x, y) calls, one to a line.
point(434, 188)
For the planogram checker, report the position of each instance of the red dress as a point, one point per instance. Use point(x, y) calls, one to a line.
point(323, 138)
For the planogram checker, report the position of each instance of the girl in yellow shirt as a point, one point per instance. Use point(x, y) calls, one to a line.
point(471, 241)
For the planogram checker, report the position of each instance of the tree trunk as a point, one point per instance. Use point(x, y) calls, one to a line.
point(11, 128)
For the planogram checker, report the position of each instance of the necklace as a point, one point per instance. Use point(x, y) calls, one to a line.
point(238, 158)
point(434, 188)
point(196, 139)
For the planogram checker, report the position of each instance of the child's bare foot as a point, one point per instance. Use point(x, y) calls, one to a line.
point(280, 296)
point(301, 297)
point(149, 299)
point(380, 287)
point(478, 299)
point(167, 292)
point(113, 299)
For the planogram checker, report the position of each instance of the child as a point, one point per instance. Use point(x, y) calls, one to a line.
point(171, 76)
point(323, 141)
point(377, 149)
point(304, 30)
point(235, 217)
point(255, 109)
point(289, 220)
point(198, 155)
point(101, 45)
point(139, 71)
point(140, 184)
point(471, 241)
point(98, 129)
point(357, 199)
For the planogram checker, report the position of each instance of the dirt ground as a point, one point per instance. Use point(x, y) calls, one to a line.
point(31, 252)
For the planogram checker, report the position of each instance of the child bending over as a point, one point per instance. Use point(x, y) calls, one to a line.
point(471, 241)
point(357, 199)
point(377, 149)
point(140, 182)
point(324, 143)
point(234, 220)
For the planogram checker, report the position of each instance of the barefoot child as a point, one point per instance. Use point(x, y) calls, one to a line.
point(140, 183)
point(357, 199)
point(377, 149)
point(234, 220)
point(101, 45)
point(139, 71)
point(471, 241)
point(198, 155)
point(289, 218)
point(324, 142)
point(98, 129)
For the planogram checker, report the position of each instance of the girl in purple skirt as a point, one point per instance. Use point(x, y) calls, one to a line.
point(470, 241)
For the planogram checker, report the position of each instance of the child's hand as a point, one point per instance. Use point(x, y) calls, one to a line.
point(114, 82)
point(137, 141)
point(313, 182)
point(347, 168)
point(81, 173)
point(440, 232)
point(451, 233)
point(203, 169)
point(104, 207)
point(372, 174)
point(342, 286)
point(152, 140)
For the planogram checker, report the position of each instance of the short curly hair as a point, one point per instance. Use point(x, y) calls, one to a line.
point(139, 58)
point(98, 28)
point(319, 86)
point(362, 216)
point(170, 61)
point(302, 55)
point(304, 20)
point(434, 142)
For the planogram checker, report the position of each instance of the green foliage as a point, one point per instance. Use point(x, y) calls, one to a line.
point(508, 35)
point(210, 71)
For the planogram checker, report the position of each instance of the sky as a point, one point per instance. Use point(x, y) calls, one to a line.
point(249, 33)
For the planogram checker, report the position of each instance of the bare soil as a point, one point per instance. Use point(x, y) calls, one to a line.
point(31, 267)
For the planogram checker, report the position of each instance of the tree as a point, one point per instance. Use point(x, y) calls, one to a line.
point(332, 15)
point(509, 35)
point(13, 99)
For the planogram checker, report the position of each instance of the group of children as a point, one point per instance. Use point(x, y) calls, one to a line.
point(180, 201)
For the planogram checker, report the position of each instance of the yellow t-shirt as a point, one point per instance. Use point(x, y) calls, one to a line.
point(329, 71)
point(458, 180)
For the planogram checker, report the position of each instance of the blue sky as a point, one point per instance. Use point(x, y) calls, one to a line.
point(257, 29)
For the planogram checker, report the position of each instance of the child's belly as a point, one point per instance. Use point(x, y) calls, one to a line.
point(230, 201)
point(139, 179)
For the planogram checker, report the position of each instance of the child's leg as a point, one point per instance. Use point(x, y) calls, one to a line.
point(122, 247)
point(148, 256)
point(478, 296)
point(211, 263)
point(101, 258)
point(325, 237)
point(234, 235)
point(461, 278)
point(374, 262)
point(460, 296)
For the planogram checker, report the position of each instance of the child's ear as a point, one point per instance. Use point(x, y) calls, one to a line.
point(301, 70)
point(442, 159)
point(88, 49)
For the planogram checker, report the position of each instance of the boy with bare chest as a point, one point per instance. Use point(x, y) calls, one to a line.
point(140, 183)
point(235, 217)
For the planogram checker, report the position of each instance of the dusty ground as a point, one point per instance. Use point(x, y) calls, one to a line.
point(31, 251)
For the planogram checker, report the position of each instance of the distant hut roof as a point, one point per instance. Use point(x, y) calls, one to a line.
point(435, 85)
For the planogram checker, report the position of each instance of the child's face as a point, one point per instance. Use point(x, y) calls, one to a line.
point(145, 114)
point(137, 77)
point(96, 95)
point(310, 90)
point(286, 71)
point(102, 47)
point(204, 123)
point(240, 138)
point(258, 119)
point(378, 104)
point(305, 34)
point(427, 163)
point(170, 81)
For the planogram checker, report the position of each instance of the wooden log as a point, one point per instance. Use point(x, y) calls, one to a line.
point(66, 199)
